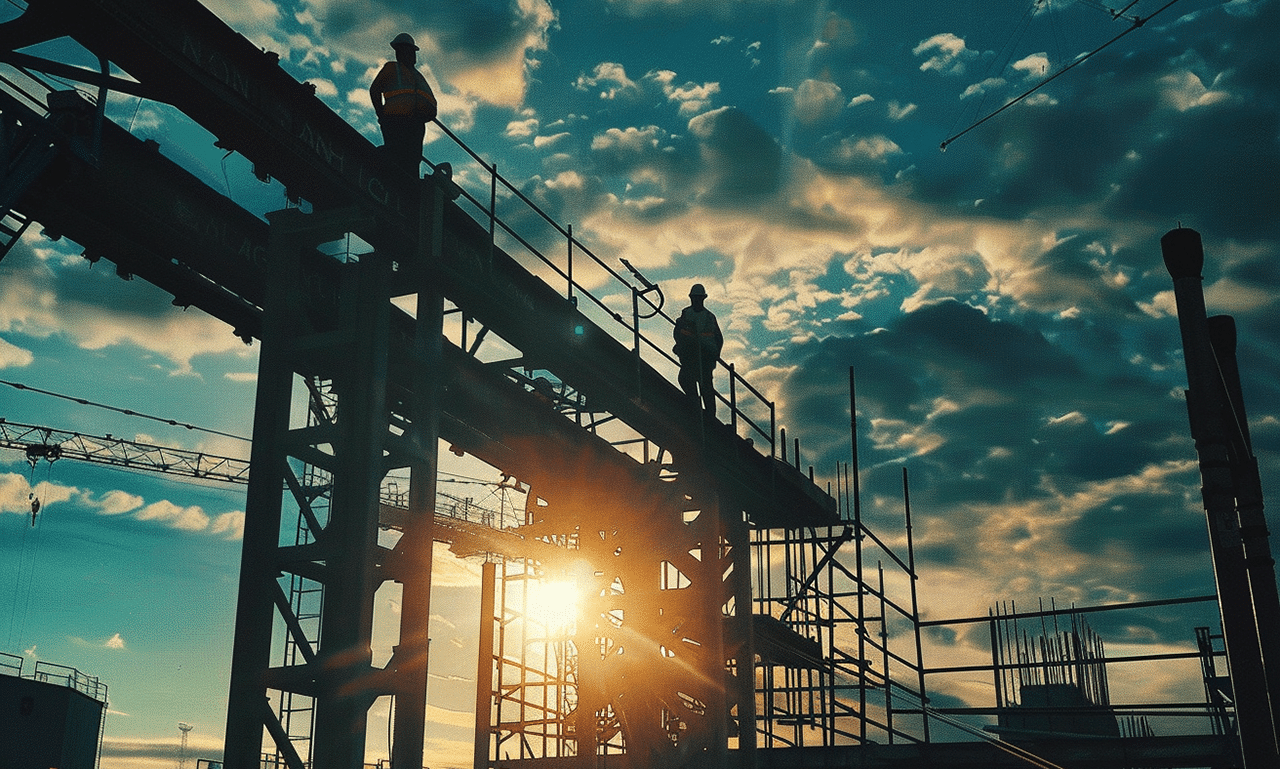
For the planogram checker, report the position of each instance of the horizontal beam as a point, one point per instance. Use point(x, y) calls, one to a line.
point(184, 53)
point(220, 267)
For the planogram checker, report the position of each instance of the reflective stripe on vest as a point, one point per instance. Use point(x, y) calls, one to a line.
point(404, 101)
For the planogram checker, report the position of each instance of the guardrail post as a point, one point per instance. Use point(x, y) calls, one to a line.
point(493, 209)
point(773, 430)
point(733, 398)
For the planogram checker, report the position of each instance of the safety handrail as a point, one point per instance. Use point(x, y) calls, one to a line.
point(575, 288)
point(489, 210)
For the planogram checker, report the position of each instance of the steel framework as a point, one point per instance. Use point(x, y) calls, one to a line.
point(715, 620)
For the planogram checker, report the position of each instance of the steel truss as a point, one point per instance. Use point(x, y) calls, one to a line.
point(646, 673)
point(331, 469)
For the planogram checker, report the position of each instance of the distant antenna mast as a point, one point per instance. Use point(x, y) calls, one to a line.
point(1135, 22)
point(182, 750)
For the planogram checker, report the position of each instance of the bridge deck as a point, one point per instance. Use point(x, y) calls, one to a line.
point(220, 268)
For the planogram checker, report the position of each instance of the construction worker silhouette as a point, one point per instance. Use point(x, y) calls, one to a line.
point(698, 345)
point(404, 104)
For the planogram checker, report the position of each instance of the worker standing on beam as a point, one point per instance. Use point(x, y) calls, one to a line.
point(698, 345)
point(404, 104)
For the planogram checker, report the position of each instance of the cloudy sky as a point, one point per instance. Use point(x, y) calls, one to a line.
point(1003, 303)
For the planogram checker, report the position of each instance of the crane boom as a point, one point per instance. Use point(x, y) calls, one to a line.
point(468, 528)
point(50, 443)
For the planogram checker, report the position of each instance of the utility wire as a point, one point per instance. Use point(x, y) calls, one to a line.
point(126, 412)
point(994, 741)
point(1137, 22)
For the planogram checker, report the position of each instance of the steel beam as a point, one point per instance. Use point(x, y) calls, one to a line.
point(181, 51)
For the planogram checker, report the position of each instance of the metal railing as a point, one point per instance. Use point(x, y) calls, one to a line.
point(752, 410)
point(747, 405)
point(10, 665)
point(47, 672)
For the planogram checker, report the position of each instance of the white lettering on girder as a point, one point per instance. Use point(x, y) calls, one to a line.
point(324, 149)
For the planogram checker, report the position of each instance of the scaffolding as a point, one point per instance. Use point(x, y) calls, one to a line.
point(720, 615)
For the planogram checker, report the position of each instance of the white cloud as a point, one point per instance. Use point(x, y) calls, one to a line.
point(982, 87)
point(1184, 91)
point(1034, 66)
point(247, 16)
point(875, 149)
point(900, 111)
point(191, 518)
point(118, 502)
point(1231, 296)
point(693, 98)
point(522, 129)
point(17, 494)
point(817, 100)
point(611, 78)
point(229, 524)
point(1162, 305)
point(862, 98)
point(634, 140)
point(324, 87)
point(945, 53)
point(30, 304)
point(12, 356)
point(547, 141)
point(116, 641)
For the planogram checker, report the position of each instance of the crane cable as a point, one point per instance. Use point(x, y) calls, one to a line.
point(1136, 23)
point(126, 412)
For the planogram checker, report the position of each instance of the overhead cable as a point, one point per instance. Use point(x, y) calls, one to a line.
point(118, 410)
point(1137, 22)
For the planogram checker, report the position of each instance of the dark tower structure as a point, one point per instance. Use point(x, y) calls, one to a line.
point(1238, 535)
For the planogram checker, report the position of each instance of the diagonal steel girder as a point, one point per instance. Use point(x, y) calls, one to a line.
point(185, 55)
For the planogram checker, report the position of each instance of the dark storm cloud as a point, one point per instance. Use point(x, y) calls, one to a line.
point(79, 283)
point(1126, 128)
point(726, 160)
point(468, 28)
point(651, 160)
point(740, 160)
point(1001, 404)
point(1072, 277)
point(1219, 169)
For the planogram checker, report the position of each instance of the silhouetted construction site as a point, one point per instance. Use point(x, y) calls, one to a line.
point(731, 611)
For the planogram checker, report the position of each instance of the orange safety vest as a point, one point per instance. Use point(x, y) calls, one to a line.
point(403, 98)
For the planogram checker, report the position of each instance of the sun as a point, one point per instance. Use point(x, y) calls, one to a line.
point(555, 604)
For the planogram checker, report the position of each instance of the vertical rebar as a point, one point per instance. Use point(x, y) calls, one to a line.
point(915, 605)
point(884, 652)
point(484, 666)
point(857, 539)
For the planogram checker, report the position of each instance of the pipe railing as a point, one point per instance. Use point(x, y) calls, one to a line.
point(623, 330)
point(751, 411)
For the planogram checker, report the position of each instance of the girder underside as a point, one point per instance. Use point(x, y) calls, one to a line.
point(186, 56)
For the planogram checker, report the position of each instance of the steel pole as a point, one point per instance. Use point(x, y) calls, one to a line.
point(484, 666)
point(1259, 563)
point(1184, 258)
point(247, 705)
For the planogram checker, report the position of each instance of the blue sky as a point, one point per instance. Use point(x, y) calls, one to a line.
point(1003, 303)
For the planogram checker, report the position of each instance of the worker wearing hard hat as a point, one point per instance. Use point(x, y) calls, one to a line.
point(698, 345)
point(404, 104)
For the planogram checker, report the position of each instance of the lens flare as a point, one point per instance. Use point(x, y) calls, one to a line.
point(555, 604)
